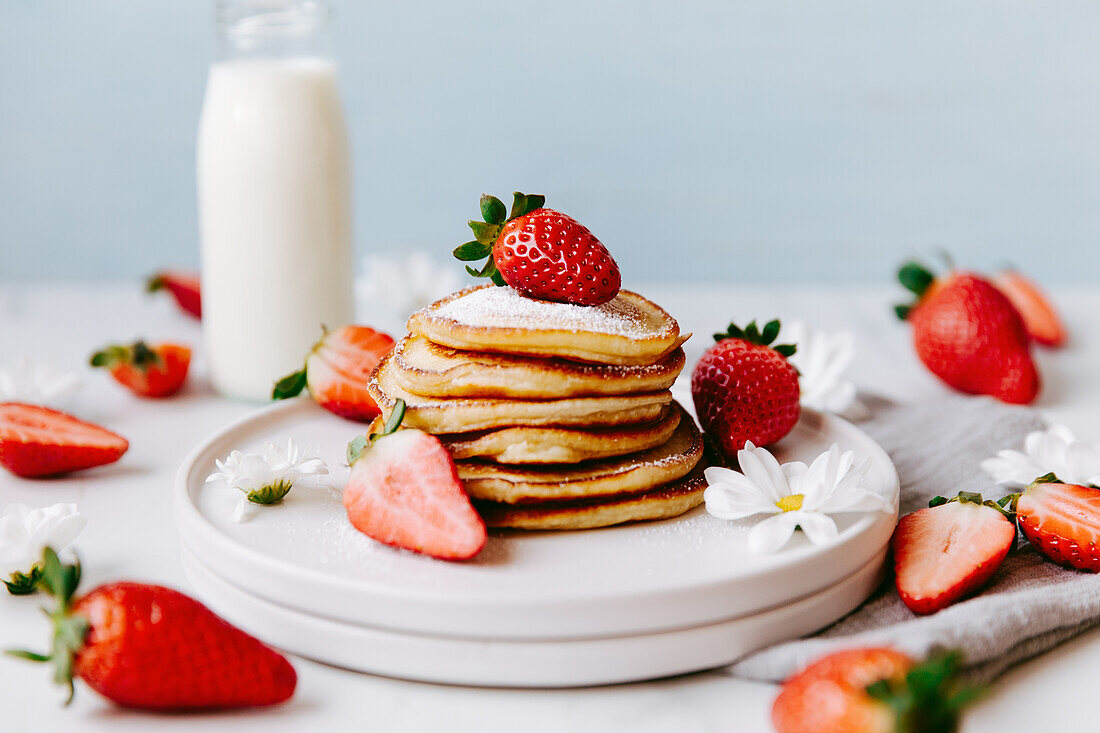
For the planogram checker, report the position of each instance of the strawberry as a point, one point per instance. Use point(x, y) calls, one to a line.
point(969, 335)
point(745, 389)
point(404, 491)
point(148, 371)
point(872, 690)
point(153, 648)
point(540, 252)
point(37, 441)
point(949, 550)
point(1062, 521)
point(337, 371)
point(1040, 318)
point(183, 286)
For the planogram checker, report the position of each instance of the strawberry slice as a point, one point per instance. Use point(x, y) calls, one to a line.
point(1040, 318)
point(404, 491)
point(949, 550)
point(1062, 521)
point(874, 690)
point(148, 371)
point(184, 287)
point(337, 371)
point(37, 441)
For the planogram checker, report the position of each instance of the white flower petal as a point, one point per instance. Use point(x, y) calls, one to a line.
point(726, 503)
point(26, 532)
point(251, 471)
point(819, 528)
point(761, 468)
point(770, 534)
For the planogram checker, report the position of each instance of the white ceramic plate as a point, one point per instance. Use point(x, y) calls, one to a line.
point(520, 663)
point(304, 556)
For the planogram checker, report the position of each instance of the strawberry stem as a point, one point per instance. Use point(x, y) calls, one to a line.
point(486, 232)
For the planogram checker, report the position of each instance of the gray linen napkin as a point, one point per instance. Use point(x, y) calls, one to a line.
point(1029, 606)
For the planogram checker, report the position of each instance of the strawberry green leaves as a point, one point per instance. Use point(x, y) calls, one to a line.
point(360, 444)
point(289, 386)
point(494, 215)
point(138, 354)
point(917, 279)
point(754, 335)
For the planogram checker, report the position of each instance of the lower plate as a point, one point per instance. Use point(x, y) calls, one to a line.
point(525, 663)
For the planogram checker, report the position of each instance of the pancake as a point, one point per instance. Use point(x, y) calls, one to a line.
point(461, 415)
point(663, 502)
point(628, 330)
point(426, 368)
point(635, 473)
point(560, 445)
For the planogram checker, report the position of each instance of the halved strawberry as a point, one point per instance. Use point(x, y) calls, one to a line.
point(157, 370)
point(37, 441)
point(1062, 521)
point(873, 690)
point(949, 550)
point(337, 371)
point(404, 491)
point(184, 287)
point(1040, 318)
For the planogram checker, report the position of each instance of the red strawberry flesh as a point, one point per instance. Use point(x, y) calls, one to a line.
point(548, 255)
point(1062, 521)
point(338, 370)
point(944, 553)
point(404, 491)
point(1040, 318)
point(37, 441)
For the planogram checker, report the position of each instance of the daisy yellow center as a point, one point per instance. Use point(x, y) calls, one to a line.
point(791, 503)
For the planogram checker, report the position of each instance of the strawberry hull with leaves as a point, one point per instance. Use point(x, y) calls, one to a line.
point(184, 287)
point(152, 648)
point(337, 371)
point(969, 334)
point(157, 370)
point(540, 252)
point(873, 690)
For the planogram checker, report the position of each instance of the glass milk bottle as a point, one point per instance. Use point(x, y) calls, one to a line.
point(274, 195)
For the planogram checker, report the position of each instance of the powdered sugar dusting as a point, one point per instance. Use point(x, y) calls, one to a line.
point(504, 307)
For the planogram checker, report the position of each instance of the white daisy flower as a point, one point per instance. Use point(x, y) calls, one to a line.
point(37, 384)
point(821, 359)
point(264, 478)
point(794, 494)
point(26, 532)
point(407, 283)
point(1054, 450)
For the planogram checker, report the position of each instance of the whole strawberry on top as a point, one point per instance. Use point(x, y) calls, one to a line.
point(337, 370)
point(745, 389)
point(950, 550)
point(540, 252)
point(157, 370)
point(969, 335)
point(404, 491)
point(152, 648)
point(873, 690)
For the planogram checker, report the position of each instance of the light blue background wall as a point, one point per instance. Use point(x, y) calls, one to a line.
point(756, 140)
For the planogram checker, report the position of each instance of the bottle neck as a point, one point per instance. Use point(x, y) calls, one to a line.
point(270, 28)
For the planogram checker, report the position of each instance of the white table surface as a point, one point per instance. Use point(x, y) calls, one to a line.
point(131, 534)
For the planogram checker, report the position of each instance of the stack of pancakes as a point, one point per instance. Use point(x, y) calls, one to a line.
point(558, 416)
